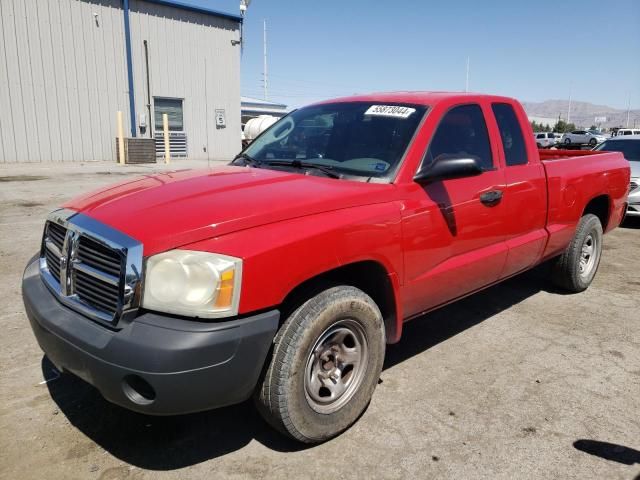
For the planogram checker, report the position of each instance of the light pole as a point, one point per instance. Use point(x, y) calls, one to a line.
point(569, 109)
point(466, 85)
point(265, 79)
point(244, 4)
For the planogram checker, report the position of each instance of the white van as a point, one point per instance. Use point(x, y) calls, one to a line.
point(627, 131)
point(545, 139)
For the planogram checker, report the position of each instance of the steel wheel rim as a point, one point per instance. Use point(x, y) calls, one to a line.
point(336, 366)
point(588, 255)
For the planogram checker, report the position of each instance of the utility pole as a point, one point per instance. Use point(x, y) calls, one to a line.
point(265, 79)
point(628, 108)
point(244, 4)
point(569, 109)
point(466, 85)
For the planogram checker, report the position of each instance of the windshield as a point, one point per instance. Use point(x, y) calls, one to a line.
point(629, 148)
point(353, 138)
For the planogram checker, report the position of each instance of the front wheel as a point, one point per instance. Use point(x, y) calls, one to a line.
point(567, 141)
point(326, 363)
point(575, 269)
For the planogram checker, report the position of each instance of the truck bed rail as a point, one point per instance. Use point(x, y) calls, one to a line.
point(547, 154)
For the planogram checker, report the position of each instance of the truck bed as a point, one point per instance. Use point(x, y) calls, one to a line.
point(576, 178)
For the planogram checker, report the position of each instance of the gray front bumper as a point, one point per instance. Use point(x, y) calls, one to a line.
point(190, 366)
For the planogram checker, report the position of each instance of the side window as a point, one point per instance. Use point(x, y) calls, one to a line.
point(541, 135)
point(462, 131)
point(515, 152)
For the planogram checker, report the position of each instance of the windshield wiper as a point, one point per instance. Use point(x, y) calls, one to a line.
point(248, 160)
point(298, 164)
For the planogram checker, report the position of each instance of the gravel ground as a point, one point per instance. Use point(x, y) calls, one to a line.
point(518, 381)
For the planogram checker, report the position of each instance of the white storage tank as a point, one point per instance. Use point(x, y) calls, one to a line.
point(257, 125)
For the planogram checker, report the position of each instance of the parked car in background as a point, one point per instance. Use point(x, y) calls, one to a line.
point(627, 131)
point(545, 139)
point(558, 137)
point(583, 137)
point(629, 146)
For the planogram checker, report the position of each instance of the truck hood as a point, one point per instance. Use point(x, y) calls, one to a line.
point(172, 209)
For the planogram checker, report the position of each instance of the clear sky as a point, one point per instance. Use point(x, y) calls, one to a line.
point(533, 51)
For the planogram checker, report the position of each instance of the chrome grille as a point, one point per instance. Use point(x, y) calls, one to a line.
point(99, 257)
point(96, 274)
point(54, 242)
point(56, 234)
point(102, 295)
point(90, 266)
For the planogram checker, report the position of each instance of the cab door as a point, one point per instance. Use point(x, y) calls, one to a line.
point(525, 195)
point(453, 230)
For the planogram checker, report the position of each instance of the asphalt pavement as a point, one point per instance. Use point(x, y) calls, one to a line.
point(518, 381)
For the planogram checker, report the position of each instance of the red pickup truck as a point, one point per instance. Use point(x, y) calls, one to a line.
point(285, 274)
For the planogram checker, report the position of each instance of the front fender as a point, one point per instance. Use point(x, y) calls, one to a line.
point(280, 256)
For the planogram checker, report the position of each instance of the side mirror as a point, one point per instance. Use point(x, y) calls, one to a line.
point(448, 167)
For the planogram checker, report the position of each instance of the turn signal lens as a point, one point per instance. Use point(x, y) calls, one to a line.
point(225, 291)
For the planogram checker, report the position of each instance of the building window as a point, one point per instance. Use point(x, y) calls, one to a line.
point(173, 108)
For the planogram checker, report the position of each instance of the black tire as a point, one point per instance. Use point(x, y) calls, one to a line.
point(593, 142)
point(571, 271)
point(283, 398)
point(567, 141)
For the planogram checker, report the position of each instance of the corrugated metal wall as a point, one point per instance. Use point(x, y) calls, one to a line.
point(63, 76)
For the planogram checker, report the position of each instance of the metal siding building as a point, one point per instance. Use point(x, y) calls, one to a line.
point(63, 76)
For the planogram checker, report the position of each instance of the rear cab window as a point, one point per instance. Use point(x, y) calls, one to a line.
point(515, 151)
point(462, 132)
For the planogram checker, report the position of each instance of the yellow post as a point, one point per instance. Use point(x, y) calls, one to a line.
point(167, 147)
point(120, 138)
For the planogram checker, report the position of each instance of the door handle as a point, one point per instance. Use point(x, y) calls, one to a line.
point(491, 198)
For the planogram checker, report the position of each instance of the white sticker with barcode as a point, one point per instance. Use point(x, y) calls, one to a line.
point(390, 111)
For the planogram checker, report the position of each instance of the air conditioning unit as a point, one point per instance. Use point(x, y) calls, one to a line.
point(137, 150)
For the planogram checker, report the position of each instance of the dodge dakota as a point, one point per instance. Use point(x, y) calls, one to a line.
point(283, 275)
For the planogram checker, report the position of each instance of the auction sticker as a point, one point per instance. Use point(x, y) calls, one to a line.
point(390, 111)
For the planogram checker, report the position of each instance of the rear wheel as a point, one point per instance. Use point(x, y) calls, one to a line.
point(327, 360)
point(576, 268)
point(593, 142)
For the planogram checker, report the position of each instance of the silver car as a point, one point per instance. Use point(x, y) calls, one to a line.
point(583, 137)
point(629, 145)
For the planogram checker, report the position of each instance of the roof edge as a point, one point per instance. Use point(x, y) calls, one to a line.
point(196, 9)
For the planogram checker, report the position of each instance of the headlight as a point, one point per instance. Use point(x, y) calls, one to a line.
point(197, 284)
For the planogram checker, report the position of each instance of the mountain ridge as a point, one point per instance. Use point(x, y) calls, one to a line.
point(583, 114)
